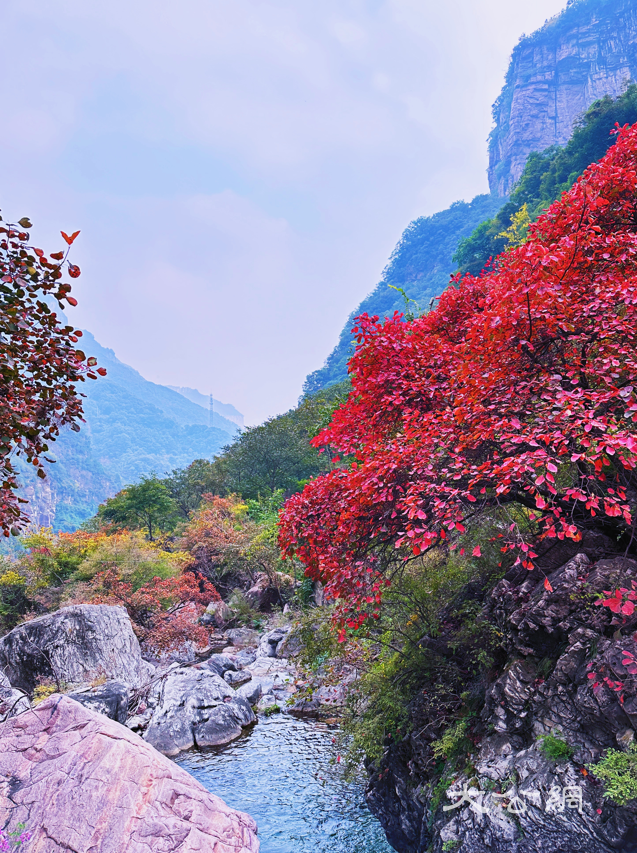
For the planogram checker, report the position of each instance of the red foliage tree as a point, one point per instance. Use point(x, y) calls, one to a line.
point(521, 387)
point(39, 363)
point(164, 612)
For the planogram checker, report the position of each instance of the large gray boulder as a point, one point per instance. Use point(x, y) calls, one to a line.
point(74, 646)
point(270, 642)
point(110, 699)
point(81, 782)
point(242, 638)
point(220, 664)
point(217, 613)
point(195, 708)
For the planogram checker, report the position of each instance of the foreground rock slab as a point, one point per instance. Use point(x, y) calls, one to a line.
point(74, 646)
point(81, 782)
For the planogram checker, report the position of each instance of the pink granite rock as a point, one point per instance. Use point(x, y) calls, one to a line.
point(83, 783)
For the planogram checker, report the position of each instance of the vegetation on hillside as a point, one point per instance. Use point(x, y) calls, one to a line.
point(547, 175)
point(163, 547)
point(274, 456)
point(165, 583)
point(421, 265)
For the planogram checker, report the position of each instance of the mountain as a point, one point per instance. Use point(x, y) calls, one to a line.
point(133, 428)
point(555, 74)
point(587, 52)
point(420, 264)
point(546, 175)
point(225, 409)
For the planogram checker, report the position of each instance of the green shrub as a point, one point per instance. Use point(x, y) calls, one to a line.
point(556, 748)
point(136, 560)
point(618, 771)
point(453, 741)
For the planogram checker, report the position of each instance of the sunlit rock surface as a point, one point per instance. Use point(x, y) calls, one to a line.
point(81, 782)
point(588, 51)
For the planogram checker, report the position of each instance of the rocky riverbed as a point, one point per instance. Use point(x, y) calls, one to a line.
point(111, 718)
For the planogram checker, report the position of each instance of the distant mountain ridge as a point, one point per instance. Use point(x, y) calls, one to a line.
point(133, 428)
point(225, 409)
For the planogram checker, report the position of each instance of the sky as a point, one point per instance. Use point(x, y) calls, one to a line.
point(240, 170)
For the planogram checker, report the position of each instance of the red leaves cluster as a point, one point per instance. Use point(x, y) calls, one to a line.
point(39, 363)
point(521, 387)
point(621, 601)
point(164, 612)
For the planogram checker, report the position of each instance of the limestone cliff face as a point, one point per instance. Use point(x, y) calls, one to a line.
point(588, 51)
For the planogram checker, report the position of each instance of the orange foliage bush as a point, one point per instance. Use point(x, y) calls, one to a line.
point(218, 537)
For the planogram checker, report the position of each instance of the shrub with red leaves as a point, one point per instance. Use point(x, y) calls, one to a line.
point(164, 612)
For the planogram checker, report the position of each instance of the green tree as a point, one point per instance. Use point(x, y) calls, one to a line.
point(277, 454)
point(187, 486)
point(147, 505)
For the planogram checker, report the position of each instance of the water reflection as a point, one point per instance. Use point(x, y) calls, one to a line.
point(282, 773)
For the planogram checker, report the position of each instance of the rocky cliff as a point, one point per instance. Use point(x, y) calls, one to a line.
point(521, 778)
point(588, 51)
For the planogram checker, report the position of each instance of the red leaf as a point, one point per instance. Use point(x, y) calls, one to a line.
point(70, 239)
point(547, 585)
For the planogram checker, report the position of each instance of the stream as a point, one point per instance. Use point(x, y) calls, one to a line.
point(285, 774)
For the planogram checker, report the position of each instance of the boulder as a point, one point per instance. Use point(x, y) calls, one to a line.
point(217, 613)
point(219, 664)
point(270, 641)
point(74, 646)
point(263, 594)
point(80, 782)
point(250, 691)
point(290, 646)
point(243, 637)
point(245, 658)
point(194, 707)
point(12, 701)
point(236, 678)
point(110, 699)
point(275, 679)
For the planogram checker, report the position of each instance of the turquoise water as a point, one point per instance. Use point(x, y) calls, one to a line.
point(283, 773)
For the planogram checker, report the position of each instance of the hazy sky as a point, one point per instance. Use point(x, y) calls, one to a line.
point(241, 169)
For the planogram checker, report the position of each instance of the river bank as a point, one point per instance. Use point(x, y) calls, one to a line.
point(226, 718)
